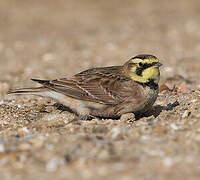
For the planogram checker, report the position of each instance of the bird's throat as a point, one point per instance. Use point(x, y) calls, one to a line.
point(147, 75)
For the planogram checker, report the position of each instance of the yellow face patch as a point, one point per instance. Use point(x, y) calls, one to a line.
point(151, 73)
point(144, 68)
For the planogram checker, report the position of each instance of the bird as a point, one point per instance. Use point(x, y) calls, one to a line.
point(106, 92)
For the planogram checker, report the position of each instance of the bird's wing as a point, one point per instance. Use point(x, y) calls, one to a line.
point(102, 85)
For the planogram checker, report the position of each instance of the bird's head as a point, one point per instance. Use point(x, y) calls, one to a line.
point(143, 68)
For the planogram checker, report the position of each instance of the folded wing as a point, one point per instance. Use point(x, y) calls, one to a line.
point(102, 85)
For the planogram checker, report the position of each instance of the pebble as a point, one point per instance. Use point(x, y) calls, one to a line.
point(174, 126)
point(183, 89)
point(53, 164)
point(127, 117)
point(163, 87)
point(24, 129)
point(185, 114)
point(115, 133)
point(168, 161)
point(1, 102)
point(48, 57)
point(2, 148)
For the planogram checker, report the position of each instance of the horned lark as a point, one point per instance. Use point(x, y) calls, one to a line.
point(106, 91)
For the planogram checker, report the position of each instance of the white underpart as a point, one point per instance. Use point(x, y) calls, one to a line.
point(74, 104)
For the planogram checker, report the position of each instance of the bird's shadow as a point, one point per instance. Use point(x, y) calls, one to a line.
point(155, 111)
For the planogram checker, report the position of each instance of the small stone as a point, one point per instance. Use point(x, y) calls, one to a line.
point(183, 89)
point(1, 102)
point(24, 129)
point(115, 133)
point(128, 117)
point(48, 57)
point(168, 161)
point(174, 126)
point(186, 114)
point(163, 87)
point(52, 165)
point(168, 69)
point(2, 148)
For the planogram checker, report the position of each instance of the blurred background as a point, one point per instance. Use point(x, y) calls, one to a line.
point(50, 39)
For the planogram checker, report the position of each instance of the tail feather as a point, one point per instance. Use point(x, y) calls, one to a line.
point(27, 90)
point(43, 82)
point(31, 90)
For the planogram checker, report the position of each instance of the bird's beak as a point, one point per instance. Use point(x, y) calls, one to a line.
point(158, 64)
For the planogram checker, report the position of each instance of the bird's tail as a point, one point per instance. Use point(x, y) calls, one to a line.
point(35, 90)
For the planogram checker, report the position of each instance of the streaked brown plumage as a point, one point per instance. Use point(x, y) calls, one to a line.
point(107, 91)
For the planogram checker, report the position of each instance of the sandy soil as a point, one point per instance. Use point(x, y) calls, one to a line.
point(50, 39)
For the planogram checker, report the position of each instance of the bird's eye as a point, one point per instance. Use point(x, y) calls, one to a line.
point(140, 64)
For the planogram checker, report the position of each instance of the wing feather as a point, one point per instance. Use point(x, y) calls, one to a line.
point(102, 85)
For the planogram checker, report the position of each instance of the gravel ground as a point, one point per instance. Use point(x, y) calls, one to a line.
point(50, 39)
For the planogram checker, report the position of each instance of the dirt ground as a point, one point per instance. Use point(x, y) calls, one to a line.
point(52, 39)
